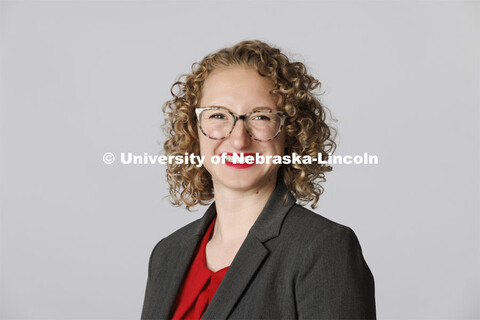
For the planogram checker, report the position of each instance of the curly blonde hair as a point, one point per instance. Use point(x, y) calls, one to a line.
point(307, 132)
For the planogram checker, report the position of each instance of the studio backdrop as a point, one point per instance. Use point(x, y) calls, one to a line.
point(82, 79)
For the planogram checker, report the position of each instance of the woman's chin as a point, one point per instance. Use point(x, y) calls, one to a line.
point(244, 181)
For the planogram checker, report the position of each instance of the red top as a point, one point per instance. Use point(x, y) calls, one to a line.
point(200, 284)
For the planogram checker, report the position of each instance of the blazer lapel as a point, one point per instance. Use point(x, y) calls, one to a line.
point(250, 255)
point(178, 265)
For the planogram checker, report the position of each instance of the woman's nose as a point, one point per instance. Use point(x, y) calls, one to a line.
point(239, 137)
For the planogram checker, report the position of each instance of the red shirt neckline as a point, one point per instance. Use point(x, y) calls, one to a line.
point(200, 283)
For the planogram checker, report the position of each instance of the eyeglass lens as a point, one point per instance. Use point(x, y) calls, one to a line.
point(218, 124)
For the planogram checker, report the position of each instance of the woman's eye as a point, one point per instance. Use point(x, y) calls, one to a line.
point(261, 117)
point(217, 116)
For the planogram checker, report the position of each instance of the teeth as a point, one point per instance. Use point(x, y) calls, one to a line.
point(230, 158)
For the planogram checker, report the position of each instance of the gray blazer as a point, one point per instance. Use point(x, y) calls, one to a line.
point(293, 264)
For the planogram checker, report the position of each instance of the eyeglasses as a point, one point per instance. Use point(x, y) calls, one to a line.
point(218, 122)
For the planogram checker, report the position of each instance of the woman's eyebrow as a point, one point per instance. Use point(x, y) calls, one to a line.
point(213, 106)
point(261, 107)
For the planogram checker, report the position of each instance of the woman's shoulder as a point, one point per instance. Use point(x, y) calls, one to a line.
point(311, 230)
point(177, 237)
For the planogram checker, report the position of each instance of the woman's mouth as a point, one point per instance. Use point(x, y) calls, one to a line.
point(239, 160)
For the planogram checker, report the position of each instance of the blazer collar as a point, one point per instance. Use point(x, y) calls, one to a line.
point(243, 267)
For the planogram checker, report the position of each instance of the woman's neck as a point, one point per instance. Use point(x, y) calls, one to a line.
point(237, 211)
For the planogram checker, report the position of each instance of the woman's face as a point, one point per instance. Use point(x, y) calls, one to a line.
point(240, 89)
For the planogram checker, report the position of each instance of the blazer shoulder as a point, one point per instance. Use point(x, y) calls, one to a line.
point(178, 235)
point(171, 241)
point(309, 230)
point(311, 224)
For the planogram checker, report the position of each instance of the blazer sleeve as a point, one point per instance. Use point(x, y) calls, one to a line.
point(334, 281)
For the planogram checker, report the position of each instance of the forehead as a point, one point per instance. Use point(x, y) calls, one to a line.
point(237, 87)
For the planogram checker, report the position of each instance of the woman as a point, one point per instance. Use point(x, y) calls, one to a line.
point(255, 254)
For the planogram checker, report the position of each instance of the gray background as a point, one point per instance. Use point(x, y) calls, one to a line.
point(79, 79)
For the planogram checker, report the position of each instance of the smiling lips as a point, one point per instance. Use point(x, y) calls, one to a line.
point(229, 161)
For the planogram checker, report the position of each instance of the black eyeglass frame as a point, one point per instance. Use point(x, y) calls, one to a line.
point(243, 117)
